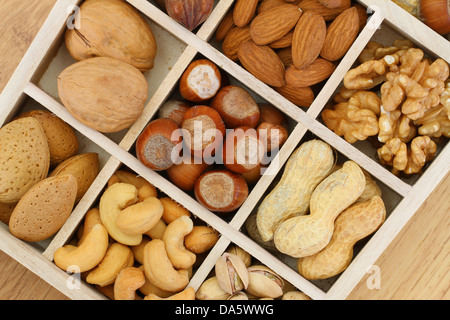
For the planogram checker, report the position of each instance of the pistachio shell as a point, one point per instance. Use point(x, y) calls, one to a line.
point(238, 296)
point(231, 273)
point(295, 295)
point(264, 283)
point(245, 256)
point(211, 290)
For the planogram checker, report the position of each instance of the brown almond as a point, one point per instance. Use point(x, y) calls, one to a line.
point(283, 42)
point(62, 141)
point(225, 26)
point(316, 72)
point(336, 4)
point(263, 63)
point(302, 97)
point(244, 11)
point(341, 34)
point(269, 4)
point(274, 23)
point(233, 41)
point(308, 39)
point(316, 7)
point(286, 56)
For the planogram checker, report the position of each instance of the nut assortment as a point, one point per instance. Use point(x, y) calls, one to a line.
point(137, 240)
point(288, 44)
point(399, 95)
point(212, 140)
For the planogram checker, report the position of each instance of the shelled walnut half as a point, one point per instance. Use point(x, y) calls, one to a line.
point(356, 119)
point(409, 160)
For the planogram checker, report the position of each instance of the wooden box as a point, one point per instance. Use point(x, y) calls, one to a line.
point(34, 86)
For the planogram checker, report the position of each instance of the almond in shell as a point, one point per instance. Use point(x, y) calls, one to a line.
point(44, 209)
point(6, 210)
point(316, 72)
point(24, 158)
point(62, 141)
point(274, 23)
point(341, 34)
point(308, 39)
point(84, 167)
point(263, 63)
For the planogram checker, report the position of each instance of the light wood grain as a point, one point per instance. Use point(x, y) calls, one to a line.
point(414, 266)
point(19, 22)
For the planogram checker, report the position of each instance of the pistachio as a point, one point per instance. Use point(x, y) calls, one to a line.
point(231, 273)
point(245, 256)
point(238, 296)
point(210, 290)
point(264, 283)
point(295, 295)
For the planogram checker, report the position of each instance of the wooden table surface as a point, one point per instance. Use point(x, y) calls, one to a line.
point(415, 266)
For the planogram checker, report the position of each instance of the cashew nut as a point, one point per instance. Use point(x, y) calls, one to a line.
point(86, 256)
point(173, 238)
point(160, 271)
point(114, 200)
point(91, 219)
point(127, 282)
point(140, 217)
point(187, 294)
point(145, 189)
point(158, 230)
point(149, 288)
point(138, 251)
point(117, 258)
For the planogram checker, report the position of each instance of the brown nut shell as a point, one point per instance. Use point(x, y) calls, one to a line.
point(84, 167)
point(189, 13)
point(221, 190)
point(110, 28)
point(105, 94)
point(236, 107)
point(24, 158)
point(201, 81)
point(44, 209)
point(157, 146)
point(62, 141)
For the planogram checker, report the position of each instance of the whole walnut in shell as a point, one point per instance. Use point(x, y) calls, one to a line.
point(112, 28)
point(105, 94)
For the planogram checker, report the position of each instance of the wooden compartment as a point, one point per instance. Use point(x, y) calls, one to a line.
point(34, 80)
